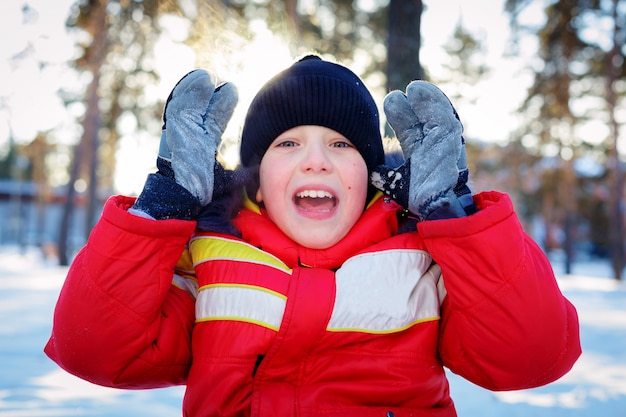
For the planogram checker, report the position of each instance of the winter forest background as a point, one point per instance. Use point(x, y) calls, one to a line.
point(540, 86)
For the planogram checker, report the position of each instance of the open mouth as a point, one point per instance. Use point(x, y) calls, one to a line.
point(315, 200)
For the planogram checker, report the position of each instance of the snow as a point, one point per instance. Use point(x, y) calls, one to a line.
point(31, 385)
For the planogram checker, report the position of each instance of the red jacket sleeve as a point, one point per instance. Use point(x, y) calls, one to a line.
point(505, 323)
point(119, 321)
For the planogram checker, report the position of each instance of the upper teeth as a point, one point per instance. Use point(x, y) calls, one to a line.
point(314, 194)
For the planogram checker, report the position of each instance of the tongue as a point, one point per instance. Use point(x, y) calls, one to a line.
point(308, 203)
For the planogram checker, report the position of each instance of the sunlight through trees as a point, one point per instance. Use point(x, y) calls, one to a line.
point(541, 97)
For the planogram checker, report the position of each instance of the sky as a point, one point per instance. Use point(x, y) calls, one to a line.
point(29, 103)
point(492, 116)
point(31, 385)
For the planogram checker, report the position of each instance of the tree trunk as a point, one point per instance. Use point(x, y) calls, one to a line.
point(403, 43)
point(569, 205)
point(616, 234)
point(293, 24)
point(68, 207)
point(92, 125)
point(88, 146)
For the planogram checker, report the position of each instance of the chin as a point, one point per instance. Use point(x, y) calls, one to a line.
point(318, 244)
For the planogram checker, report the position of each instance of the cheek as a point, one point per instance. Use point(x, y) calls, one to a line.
point(355, 168)
point(358, 178)
point(264, 178)
point(272, 180)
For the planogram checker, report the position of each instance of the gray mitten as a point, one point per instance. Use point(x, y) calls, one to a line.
point(195, 117)
point(189, 177)
point(432, 183)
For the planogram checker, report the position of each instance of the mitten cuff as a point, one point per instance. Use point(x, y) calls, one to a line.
point(461, 206)
point(163, 198)
point(446, 209)
point(464, 194)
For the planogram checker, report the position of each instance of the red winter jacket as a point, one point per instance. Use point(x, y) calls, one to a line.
point(361, 329)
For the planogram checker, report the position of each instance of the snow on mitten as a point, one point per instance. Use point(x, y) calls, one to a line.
point(432, 183)
point(189, 176)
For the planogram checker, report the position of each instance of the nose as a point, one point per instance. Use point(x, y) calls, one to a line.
point(316, 158)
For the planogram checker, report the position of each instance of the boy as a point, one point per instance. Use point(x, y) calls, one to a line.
point(320, 296)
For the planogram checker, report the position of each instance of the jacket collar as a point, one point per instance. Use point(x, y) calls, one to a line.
point(378, 222)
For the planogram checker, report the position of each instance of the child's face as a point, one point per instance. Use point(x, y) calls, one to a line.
point(313, 183)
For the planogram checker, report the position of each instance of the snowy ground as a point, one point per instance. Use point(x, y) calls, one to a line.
point(32, 386)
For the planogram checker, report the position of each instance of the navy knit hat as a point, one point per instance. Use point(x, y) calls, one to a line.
point(313, 92)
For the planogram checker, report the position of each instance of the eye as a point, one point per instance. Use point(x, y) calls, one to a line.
point(286, 143)
point(342, 144)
